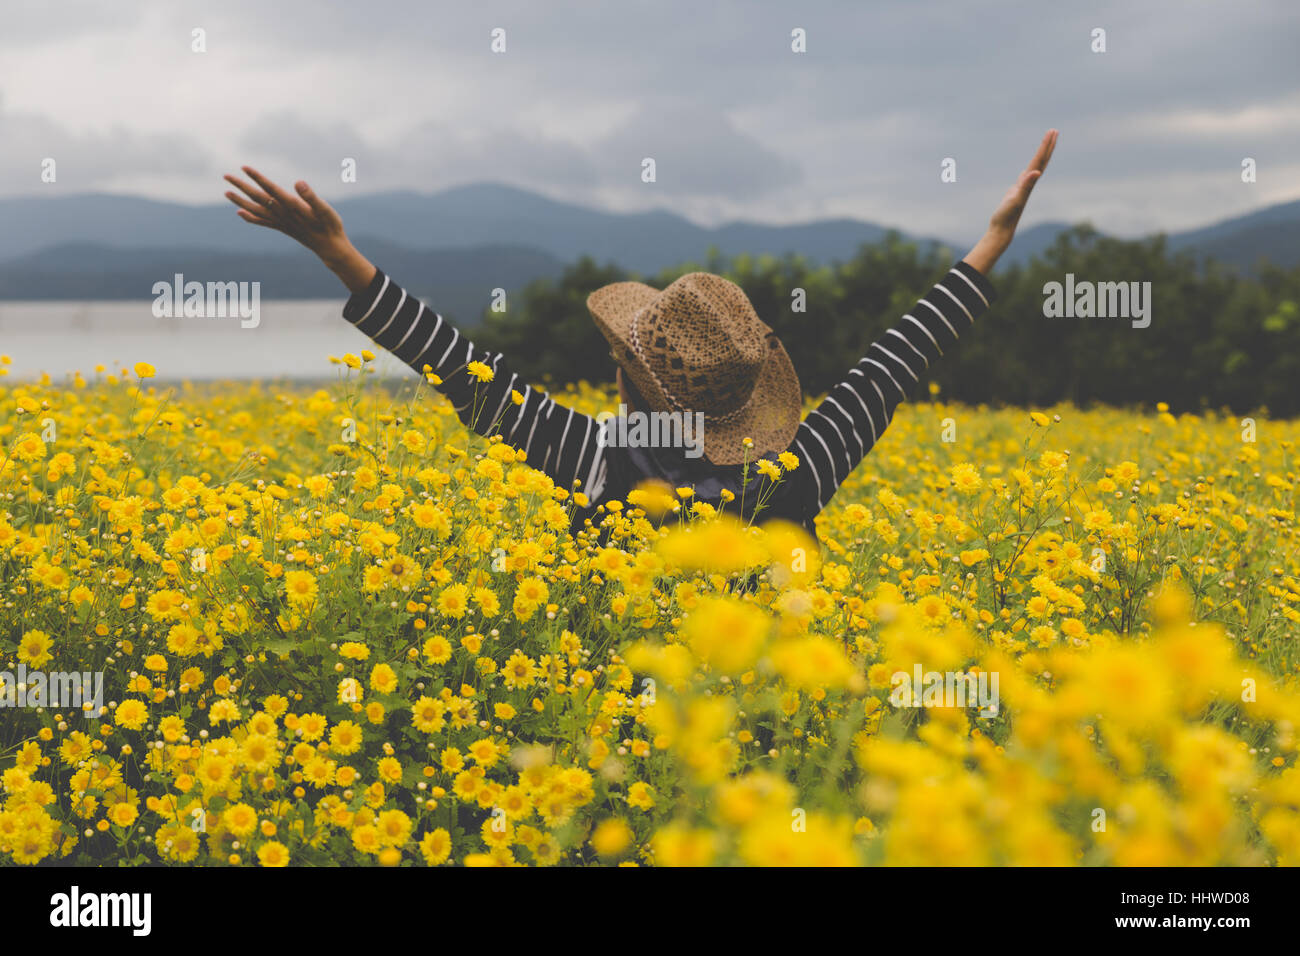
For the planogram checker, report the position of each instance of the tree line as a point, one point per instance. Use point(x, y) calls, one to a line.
point(1216, 339)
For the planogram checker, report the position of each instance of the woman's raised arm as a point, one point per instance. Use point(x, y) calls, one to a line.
point(837, 434)
point(489, 398)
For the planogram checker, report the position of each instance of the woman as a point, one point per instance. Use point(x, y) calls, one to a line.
point(694, 352)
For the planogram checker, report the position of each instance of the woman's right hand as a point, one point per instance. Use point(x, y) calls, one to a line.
point(304, 217)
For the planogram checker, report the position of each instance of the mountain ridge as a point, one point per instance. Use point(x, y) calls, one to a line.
point(468, 239)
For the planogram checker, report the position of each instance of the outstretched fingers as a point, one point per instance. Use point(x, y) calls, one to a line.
point(255, 220)
point(1027, 181)
point(252, 192)
point(286, 201)
point(1044, 153)
point(318, 205)
point(1034, 171)
point(245, 205)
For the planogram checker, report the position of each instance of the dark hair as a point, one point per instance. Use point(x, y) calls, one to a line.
point(636, 401)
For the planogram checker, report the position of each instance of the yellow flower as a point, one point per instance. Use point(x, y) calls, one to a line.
point(300, 587)
point(130, 714)
point(641, 795)
point(273, 854)
point(435, 847)
point(611, 838)
point(437, 649)
point(383, 679)
point(29, 447)
point(679, 845)
point(453, 602)
point(966, 478)
point(726, 634)
point(34, 648)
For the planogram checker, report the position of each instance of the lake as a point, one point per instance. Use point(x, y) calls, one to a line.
point(292, 340)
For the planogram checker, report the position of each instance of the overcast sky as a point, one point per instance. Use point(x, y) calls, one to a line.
point(1153, 131)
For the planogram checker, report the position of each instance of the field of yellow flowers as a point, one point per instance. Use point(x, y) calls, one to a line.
point(336, 628)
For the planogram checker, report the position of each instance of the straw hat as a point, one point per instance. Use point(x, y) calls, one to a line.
point(698, 346)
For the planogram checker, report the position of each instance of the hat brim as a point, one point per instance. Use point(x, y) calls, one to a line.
point(770, 419)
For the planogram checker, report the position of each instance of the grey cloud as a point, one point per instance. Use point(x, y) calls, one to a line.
point(91, 160)
point(40, 22)
point(697, 151)
point(296, 149)
point(738, 124)
point(429, 155)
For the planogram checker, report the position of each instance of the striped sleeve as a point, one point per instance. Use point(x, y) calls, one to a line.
point(837, 435)
point(559, 441)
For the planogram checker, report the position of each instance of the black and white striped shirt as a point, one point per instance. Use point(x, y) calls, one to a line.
point(564, 443)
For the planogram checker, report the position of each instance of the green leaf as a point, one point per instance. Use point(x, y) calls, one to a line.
point(280, 646)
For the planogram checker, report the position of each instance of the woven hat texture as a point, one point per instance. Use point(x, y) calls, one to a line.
point(699, 346)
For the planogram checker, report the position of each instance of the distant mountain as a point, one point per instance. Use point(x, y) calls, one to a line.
point(1271, 233)
point(462, 242)
point(1033, 241)
point(456, 282)
point(1247, 247)
point(466, 216)
point(1242, 242)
